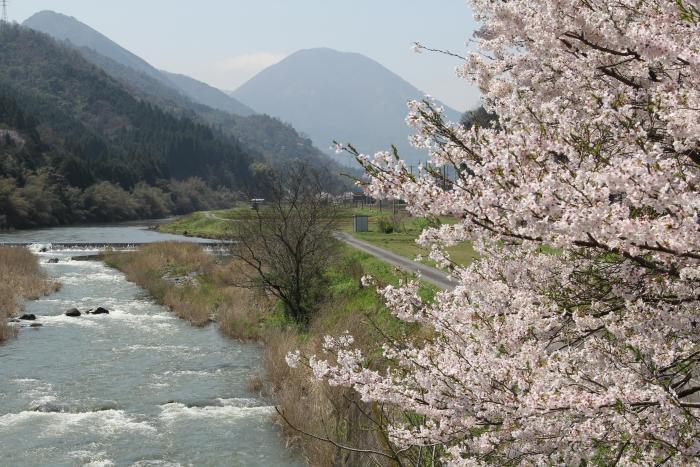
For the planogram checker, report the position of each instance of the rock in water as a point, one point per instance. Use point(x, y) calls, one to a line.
point(100, 311)
point(28, 317)
point(73, 313)
point(36, 325)
point(53, 261)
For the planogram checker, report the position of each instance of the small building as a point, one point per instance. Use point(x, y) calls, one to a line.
point(360, 224)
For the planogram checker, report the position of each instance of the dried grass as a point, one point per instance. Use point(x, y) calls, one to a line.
point(189, 304)
point(171, 273)
point(242, 310)
point(21, 278)
point(312, 406)
point(197, 288)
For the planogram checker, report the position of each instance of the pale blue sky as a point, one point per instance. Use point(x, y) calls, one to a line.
point(225, 42)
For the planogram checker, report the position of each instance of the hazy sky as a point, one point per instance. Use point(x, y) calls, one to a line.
point(225, 42)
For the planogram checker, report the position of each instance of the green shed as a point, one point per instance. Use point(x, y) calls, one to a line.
point(360, 224)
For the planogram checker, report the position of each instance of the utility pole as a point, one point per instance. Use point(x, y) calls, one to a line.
point(3, 19)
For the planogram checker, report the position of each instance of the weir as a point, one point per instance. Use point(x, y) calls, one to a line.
point(103, 245)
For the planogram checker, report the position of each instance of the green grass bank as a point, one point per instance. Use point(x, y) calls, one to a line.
point(394, 232)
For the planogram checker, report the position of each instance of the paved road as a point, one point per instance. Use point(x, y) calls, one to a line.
point(428, 274)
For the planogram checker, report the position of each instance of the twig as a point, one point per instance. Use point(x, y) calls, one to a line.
point(328, 440)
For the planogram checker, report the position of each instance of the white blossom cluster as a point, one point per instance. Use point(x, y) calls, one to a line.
point(576, 337)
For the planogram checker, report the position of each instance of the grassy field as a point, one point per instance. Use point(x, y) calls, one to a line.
point(403, 241)
point(200, 224)
point(218, 225)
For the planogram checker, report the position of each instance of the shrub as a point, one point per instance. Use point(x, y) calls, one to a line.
point(385, 225)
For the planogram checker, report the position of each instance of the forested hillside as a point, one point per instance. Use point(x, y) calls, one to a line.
point(76, 145)
point(207, 95)
point(278, 142)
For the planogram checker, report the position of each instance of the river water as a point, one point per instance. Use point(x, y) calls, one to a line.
point(137, 387)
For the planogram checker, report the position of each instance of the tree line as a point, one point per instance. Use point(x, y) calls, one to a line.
point(69, 133)
point(47, 184)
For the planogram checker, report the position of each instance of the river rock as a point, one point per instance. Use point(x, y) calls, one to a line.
point(53, 261)
point(51, 408)
point(36, 325)
point(100, 311)
point(73, 313)
point(28, 317)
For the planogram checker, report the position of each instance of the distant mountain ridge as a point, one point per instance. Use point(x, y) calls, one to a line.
point(77, 145)
point(108, 127)
point(331, 95)
point(208, 95)
point(323, 93)
point(67, 28)
point(183, 96)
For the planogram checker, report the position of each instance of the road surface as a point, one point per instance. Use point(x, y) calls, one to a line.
point(428, 274)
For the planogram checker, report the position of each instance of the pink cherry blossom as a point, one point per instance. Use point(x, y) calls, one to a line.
point(576, 337)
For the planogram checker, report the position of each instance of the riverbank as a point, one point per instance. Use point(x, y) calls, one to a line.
point(137, 386)
point(21, 278)
point(200, 224)
point(202, 289)
point(195, 286)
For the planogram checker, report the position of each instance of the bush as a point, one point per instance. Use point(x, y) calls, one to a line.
point(109, 202)
point(151, 202)
point(385, 225)
point(423, 223)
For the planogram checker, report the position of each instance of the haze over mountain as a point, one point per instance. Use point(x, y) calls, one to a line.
point(278, 142)
point(331, 95)
point(325, 94)
point(66, 28)
point(208, 95)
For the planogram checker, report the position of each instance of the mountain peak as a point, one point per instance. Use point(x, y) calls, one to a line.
point(82, 36)
point(68, 28)
point(49, 14)
point(333, 95)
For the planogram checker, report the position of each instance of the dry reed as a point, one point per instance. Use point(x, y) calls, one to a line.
point(196, 287)
point(21, 278)
point(313, 407)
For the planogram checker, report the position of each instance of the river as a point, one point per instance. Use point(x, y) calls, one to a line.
point(137, 387)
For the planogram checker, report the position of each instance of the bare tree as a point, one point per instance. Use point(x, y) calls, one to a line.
point(287, 242)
